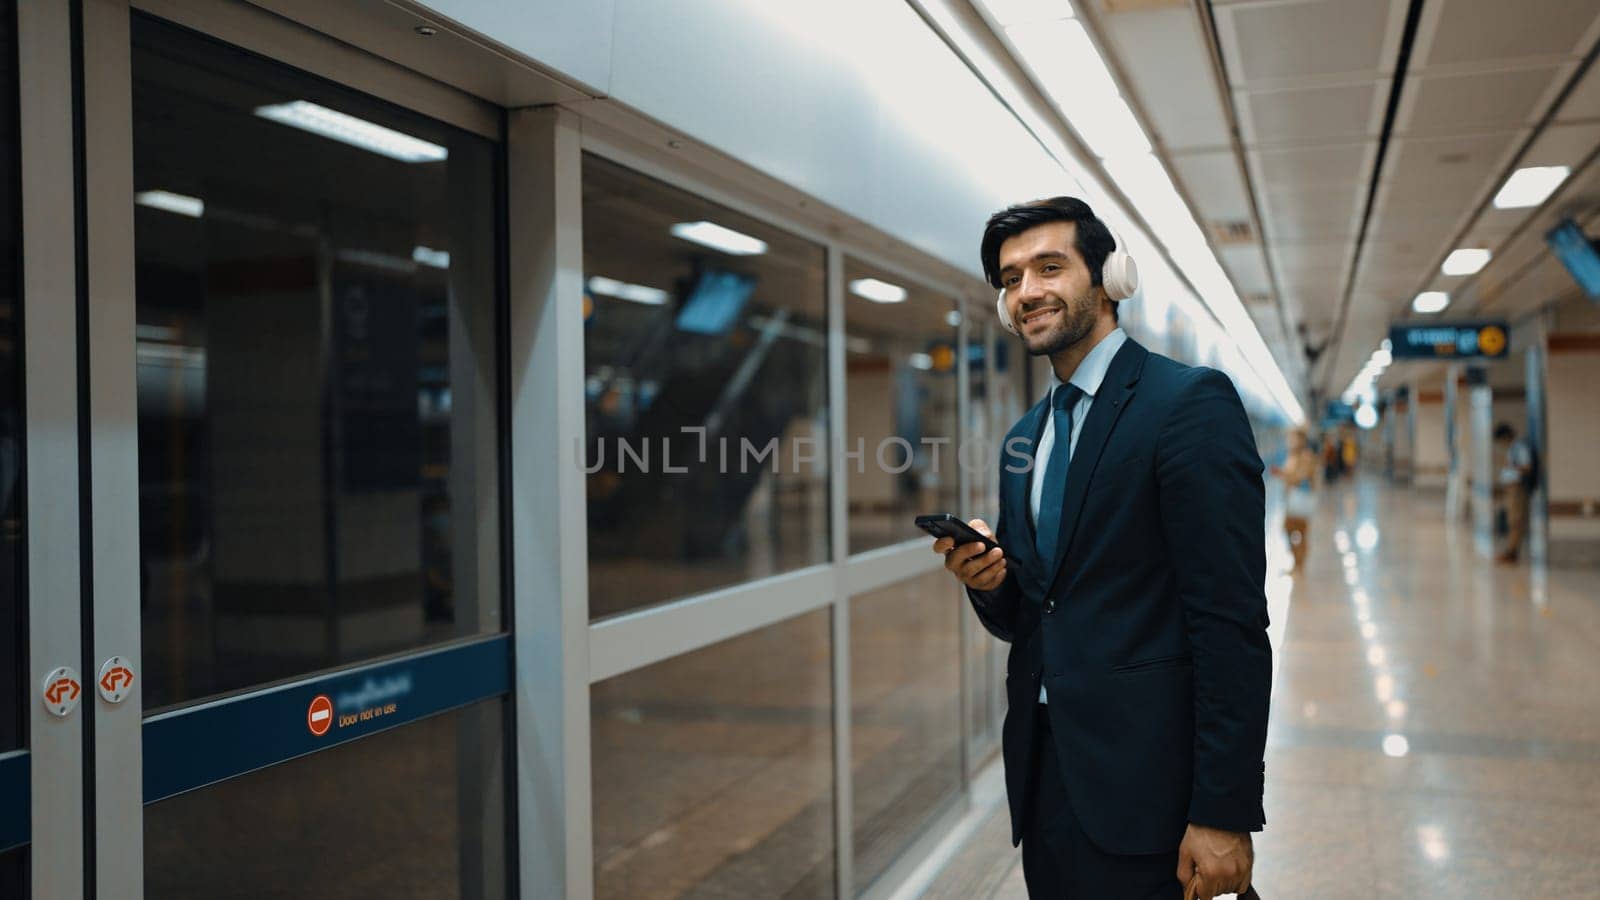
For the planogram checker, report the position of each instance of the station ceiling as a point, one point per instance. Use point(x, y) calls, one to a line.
point(1336, 151)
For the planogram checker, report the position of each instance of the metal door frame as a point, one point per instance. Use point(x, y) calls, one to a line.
point(46, 63)
point(116, 776)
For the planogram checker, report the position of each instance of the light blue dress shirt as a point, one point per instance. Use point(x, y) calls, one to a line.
point(1088, 377)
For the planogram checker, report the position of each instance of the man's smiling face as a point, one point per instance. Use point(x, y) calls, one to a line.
point(1049, 293)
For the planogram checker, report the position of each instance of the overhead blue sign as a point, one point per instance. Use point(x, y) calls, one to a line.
point(1450, 340)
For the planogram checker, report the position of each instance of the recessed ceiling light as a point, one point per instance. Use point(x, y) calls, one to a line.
point(182, 204)
point(1465, 261)
point(710, 234)
point(953, 318)
point(347, 129)
point(638, 293)
point(878, 291)
point(1530, 186)
point(1430, 301)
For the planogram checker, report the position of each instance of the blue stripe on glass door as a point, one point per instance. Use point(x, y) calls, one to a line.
point(200, 745)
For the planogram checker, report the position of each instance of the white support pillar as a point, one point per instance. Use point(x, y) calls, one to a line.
point(549, 518)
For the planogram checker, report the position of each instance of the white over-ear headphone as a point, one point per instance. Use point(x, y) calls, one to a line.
point(1119, 276)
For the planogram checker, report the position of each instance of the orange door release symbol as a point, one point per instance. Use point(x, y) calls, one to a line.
point(117, 678)
point(62, 691)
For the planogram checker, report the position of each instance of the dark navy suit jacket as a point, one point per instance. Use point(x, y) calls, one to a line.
point(1149, 628)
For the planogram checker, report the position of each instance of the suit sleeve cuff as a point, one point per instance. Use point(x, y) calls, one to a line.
point(1228, 813)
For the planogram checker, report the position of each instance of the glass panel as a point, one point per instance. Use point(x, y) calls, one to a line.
point(14, 878)
point(680, 334)
point(13, 594)
point(713, 771)
point(316, 366)
point(900, 378)
point(414, 812)
point(905, 690)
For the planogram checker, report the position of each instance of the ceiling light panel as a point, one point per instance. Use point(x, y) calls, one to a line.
point(1465, 261)
point(347, 129)
point(622, 290)
point(1430, 302)
point(710, 234)
point(1530, 186)
point(182, 204)
point(878, 291)
point(438, 259)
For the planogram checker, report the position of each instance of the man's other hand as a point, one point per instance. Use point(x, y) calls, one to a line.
point(971, 566)
point(1223, 860)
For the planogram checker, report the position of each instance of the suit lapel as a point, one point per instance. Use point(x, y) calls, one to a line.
point(1116, 394)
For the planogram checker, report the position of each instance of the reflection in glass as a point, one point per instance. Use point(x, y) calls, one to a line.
point(997, 403)
point(905, 689)
point(315, 373)
point(900, 378)
point(417, 812)
point(698, 318)
point(713, 771)
point(14, 878)
point(13, 594)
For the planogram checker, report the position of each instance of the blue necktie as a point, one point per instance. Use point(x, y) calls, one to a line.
point(1051, 498)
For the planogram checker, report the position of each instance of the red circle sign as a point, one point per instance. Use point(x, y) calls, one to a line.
point(319, 717)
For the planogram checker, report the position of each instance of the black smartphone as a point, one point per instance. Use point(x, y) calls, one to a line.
point(945, 525)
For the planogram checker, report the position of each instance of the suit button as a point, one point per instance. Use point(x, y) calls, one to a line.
point(1050, 605)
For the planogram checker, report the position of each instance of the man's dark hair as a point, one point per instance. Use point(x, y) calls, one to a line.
point(1094, 240)
point(1504, 432)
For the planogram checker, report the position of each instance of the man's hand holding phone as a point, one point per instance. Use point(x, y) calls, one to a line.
point(970, 564)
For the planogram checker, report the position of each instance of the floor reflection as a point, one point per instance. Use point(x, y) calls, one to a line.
point(1435, 730)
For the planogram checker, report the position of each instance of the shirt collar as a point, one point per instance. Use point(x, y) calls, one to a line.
point(1091, 372)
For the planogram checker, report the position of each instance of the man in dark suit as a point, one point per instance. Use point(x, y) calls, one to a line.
point(1129, 583)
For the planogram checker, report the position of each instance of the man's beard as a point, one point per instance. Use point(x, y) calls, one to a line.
point(1074, 324)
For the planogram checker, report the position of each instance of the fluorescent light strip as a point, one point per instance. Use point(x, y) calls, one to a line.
point(1069, 68)
point(375, 259)
point(1017, 12)
point(622, 290)
point(710, 234)
point(182, 204)
point(1071, 71)
point(1082, 83)
point(878, 291)
point(347, 129)
point(1465, 261)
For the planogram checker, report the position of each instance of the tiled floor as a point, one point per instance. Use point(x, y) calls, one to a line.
point(1435, 723)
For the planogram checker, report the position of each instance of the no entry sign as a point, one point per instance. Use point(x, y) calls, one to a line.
point(319, 716)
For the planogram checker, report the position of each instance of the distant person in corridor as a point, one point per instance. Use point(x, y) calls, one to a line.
point(1298, 473)
point(1518, 478)
point(1129, 582)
